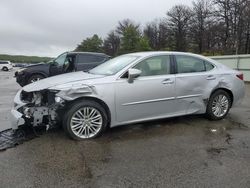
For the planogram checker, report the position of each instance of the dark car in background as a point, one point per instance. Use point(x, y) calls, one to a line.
point(66, 62)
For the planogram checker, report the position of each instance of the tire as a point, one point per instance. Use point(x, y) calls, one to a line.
point(5, 69)
point(35, 78)
point(219, 105)
point(82, 128)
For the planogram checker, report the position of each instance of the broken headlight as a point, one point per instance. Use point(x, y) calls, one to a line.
point(59, 100)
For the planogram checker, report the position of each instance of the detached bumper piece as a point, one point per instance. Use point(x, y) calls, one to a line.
point(10, 138)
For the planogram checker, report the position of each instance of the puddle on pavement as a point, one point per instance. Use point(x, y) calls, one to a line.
point(187, 125)
point(172, 125)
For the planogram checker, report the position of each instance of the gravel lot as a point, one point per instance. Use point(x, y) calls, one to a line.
point(178, 152)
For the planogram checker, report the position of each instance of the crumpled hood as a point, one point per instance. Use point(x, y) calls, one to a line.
point(60, 79)
point(38, 66)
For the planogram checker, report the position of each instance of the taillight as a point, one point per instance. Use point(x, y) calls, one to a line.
point(240, 76)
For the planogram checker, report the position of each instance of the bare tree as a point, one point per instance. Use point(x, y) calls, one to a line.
point(201, 20)
point(178, 19)
point(156, 32)
point(230, 13)
point(112, 44)
point(246, 15)
point(237, 21)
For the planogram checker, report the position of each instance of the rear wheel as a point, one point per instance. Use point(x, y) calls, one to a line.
point(84, 120)
point(5, 69)
point(218, 105)
point(35, 78)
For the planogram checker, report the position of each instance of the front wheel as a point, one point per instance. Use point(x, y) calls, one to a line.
point(84, 120)
point(218, 105)
point(35, 78)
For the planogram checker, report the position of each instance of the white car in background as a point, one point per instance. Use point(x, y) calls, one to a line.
point(5, 65)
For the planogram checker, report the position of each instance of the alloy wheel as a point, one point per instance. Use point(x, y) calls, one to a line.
point(86, 122)
point(220, 105)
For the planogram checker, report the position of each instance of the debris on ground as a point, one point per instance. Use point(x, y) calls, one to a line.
point(10, 138)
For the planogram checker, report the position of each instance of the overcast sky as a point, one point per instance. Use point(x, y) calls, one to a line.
point(50, 27)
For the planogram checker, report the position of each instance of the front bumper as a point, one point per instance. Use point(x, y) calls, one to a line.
point(16, 119)
point(39, 111)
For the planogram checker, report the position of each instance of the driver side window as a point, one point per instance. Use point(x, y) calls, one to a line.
point(158, 65)
point(60, 60)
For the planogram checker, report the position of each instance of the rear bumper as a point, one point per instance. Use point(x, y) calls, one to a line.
point(238, 93)
point(16, 119)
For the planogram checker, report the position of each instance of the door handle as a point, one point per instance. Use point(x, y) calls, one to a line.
point(167, 81)
point(211, 77)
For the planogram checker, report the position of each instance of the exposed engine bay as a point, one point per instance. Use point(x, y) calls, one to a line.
point(42, 107)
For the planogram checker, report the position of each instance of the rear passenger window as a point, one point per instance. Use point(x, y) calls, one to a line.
point(90, 59)
point(188, 64)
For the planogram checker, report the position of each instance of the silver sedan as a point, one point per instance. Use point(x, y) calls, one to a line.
point(128, 89)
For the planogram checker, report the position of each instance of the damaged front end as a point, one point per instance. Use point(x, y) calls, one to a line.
point(38, 108)
point(43, 103)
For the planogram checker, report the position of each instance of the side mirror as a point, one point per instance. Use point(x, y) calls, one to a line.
point(132, 74)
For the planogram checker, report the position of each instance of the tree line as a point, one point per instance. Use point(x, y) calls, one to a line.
point(23, 58)
point(208, 27)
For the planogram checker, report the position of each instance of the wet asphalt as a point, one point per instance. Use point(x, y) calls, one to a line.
point(187, 151)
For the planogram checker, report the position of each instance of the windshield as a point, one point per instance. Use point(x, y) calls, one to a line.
point(114, 65)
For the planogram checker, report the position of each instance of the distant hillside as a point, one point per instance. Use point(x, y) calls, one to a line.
point(24, 59)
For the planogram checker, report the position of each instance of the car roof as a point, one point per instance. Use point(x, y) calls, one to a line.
point(152, 53)
point(163, 53)
point(90, 53)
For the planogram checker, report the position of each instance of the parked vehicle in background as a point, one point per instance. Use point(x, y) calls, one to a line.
point(129, 89)
point(5, 65)
point(66, 62)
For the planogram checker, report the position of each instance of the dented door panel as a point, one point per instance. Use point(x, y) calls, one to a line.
point(193, 91)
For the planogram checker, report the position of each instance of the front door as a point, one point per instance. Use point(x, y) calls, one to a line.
point(151, 95)
point(57, 66)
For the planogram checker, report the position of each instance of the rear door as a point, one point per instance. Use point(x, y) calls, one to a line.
point(85, 62)
point(195, 78)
